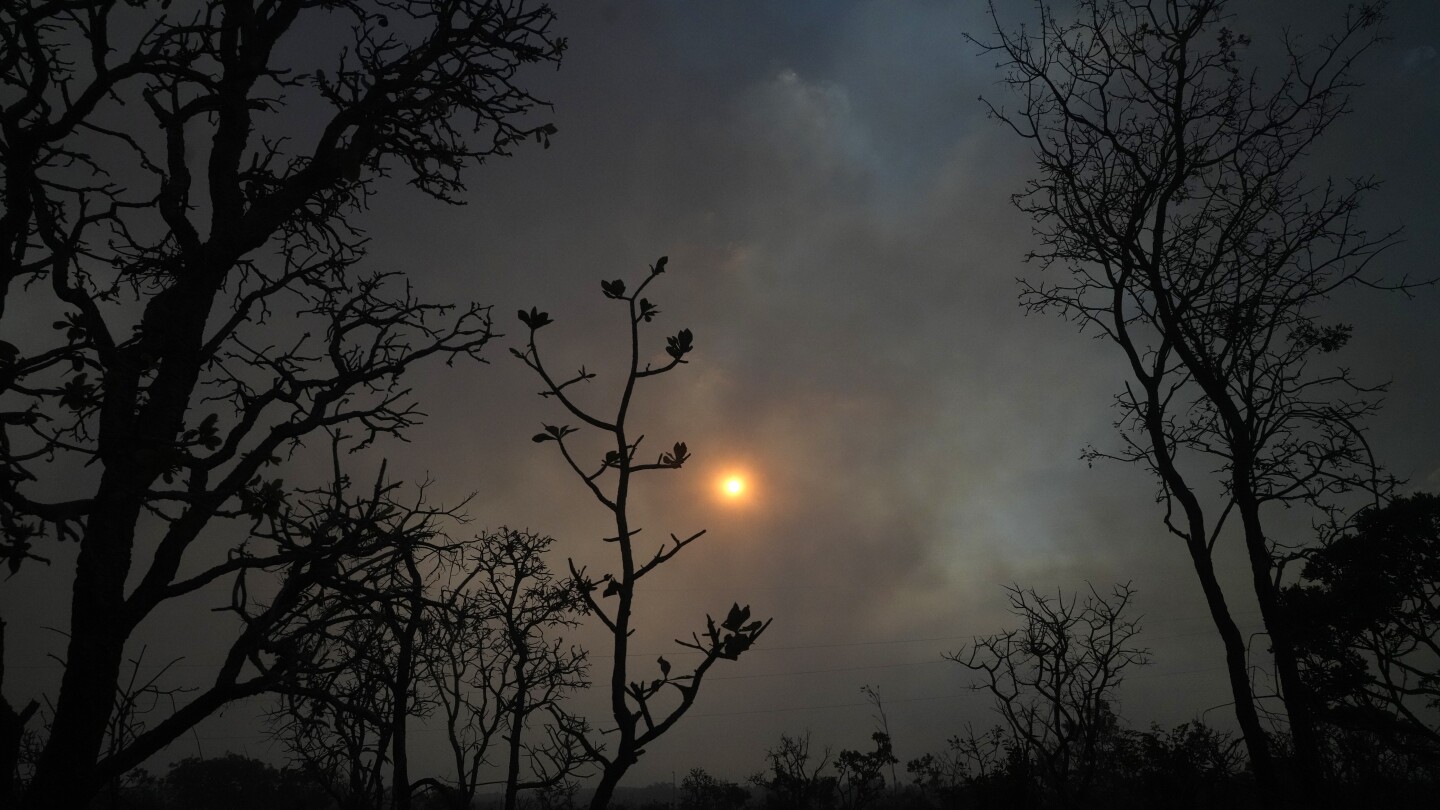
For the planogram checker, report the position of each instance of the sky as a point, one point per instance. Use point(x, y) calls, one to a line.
point(834, 204)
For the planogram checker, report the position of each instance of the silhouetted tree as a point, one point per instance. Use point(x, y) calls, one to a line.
point(1377, 759)
point(1367, 621)
point(342, 737)
point(701, 791)
point(968, 766)
point(642, 709)
point(860, 774)
point(138, 789)
point(178, 194)
point(559, 796)
point(882, 725)
point(462, 632)
point(1171, 197)
point(796, 780)
point(1191, 766)
point(1054, 679)
point(492, 661)
point(135, 700)
point(351, 642)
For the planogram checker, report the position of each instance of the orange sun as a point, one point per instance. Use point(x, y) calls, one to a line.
point(733, 486)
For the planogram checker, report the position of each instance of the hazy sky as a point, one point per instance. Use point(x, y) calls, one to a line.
point(834, 204)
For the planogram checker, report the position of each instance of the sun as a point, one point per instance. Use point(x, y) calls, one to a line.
point(733, 486)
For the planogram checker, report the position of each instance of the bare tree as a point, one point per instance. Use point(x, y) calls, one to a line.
point(972, 759)
point(459, 632)
point(351, 640)
point(638, 707)
point(1054, 679)
point(179, 191)
point(494, 661)
point(136, 700)
point(1171, 198)
point(796, 780)
point(338, 730)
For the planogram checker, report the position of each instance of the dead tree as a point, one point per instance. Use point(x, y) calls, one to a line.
point(638, 706)
point(1054, 679)
point(1172, 201)
point(192, 236)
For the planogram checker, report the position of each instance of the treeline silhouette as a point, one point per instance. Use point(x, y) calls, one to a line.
point(1190, 766)
point(1054, 680)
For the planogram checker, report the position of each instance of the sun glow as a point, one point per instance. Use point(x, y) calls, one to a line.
point(733, 486)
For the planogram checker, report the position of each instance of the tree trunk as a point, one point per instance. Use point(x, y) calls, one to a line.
point(1251, 730)
point(1298, 705)
point(517, 722)
point(605, 788)
point(134, 437)
point(1195, 536)
point(65, 775)
point(625, 721)
point(403, 679)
